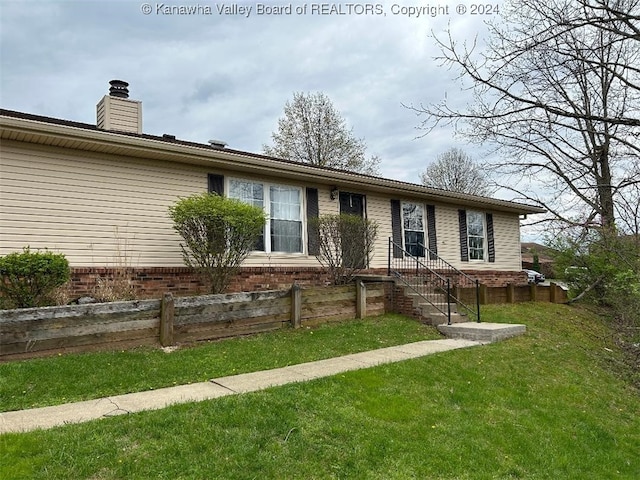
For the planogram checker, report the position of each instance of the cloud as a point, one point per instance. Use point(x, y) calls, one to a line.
point(227, 76)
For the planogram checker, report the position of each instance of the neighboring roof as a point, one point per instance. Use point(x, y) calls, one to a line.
point(42, 130)
point(530, 249)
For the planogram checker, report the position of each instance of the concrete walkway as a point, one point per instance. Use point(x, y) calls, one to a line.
point(47, 417)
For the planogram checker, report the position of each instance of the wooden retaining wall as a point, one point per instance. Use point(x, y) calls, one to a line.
point(32, 332)
point(515, 294)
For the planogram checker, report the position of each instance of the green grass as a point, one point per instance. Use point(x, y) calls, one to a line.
point(547, 405)
point(70, 378)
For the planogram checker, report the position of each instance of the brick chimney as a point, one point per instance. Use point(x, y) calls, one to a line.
point(116, 112)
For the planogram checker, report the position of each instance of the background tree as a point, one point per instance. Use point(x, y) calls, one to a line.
point(456, 171)
point(219, 233)
point(345, 244)
point(313, 131)
point(557, 90)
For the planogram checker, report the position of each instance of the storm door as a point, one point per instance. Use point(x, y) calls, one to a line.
point(353, 253)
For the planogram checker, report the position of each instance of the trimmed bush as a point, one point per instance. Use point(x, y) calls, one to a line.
point(218, 233)
point(28, 279)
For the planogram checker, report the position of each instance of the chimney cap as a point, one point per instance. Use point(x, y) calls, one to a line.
point(119, 88)
point(217, 143)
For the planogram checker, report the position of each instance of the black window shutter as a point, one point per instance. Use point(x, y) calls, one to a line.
point(431, 231)
point(396, 228)
point(313, 211)
point(490, 241)
point(464, 239)
point(216, 183)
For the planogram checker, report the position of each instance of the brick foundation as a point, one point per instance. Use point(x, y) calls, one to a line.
point(147, 282)
point(396, 301)
point(152, 282)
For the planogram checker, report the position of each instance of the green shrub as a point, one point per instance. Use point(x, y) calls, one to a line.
point(218, 232)
point(29, 278)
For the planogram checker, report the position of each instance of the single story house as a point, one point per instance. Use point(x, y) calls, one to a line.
point(100, 194)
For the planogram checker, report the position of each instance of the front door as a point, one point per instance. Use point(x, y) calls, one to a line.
point(352, 203)
point(353, 252)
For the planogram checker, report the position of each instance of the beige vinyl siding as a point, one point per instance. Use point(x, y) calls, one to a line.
point(506, 230)
point(379, 211)
point(326, 206)
point(95, 209)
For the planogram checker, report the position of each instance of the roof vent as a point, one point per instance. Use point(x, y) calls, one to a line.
point(119, 89)
point(217, 143)
point(166, 136)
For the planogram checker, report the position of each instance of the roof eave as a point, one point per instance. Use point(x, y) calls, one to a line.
point(45, 133)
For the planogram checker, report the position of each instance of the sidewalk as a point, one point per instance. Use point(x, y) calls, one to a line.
point(47, 417)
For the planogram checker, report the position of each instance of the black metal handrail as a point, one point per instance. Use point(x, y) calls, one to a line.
point(430, 286)
point(435, 273)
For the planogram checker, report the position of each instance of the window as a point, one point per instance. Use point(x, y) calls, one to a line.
point(476, 235)
point(283, 205)
point(413, 226)
point(285, 218)
point(251, 193)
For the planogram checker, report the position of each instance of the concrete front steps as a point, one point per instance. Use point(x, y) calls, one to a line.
point(461, 328)
point(482, 332)
point(431, 313)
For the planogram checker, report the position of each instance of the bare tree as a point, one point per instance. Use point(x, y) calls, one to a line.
point(345, 245)
point(313, 131)
point(557, 90)
point(456, 171)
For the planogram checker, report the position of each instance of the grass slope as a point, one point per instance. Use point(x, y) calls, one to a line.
point(545, 405)
point(76, 377)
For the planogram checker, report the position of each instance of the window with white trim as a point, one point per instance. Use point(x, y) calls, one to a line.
point(283, 205)
point(286, 219)
point(476, 235)
point(413, 228)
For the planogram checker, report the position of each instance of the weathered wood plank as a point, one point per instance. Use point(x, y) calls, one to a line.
point(230, 330)
point(213, 329)
point(320, 307)
point(167, 314)
point(97, 310)
point(284, 302)
point(329, 290)
point(243, 297)
point(73, 322)
point(223, 317)
point(111, 346)
point(76, 341)
point(281, 317)
point(79, 331)
point(329, 297)
point(296, 306)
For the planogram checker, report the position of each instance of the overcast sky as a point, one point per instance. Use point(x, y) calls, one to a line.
point(226, 71)
point(219, 75)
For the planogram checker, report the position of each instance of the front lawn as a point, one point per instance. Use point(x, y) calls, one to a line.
point(75, 377)
point(552, 404)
